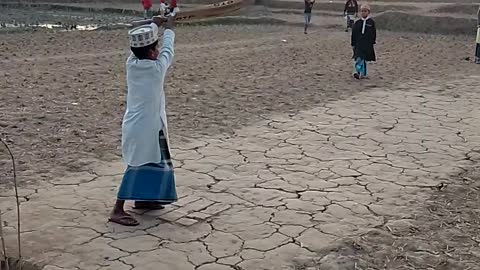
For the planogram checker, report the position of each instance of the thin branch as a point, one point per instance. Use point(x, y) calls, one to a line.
point(16, 197)
point(4, 247)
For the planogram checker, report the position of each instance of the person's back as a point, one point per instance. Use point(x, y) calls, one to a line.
point(146, 99)
point(147, 76)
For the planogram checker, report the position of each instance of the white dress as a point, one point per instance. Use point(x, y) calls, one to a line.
point(145, 115)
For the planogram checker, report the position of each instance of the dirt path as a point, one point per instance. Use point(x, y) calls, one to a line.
point(282, 192)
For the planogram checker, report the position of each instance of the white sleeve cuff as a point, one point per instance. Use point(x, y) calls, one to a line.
point(169, 32)
point(154, 26)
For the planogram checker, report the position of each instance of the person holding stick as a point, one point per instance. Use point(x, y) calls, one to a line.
point(149, 178)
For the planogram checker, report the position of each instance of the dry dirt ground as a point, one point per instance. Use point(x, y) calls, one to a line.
point(65, 94)
point(443, 235)
point(62, 96)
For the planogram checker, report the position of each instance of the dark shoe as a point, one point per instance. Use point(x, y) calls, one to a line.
point(140, 205)
point(356, 76)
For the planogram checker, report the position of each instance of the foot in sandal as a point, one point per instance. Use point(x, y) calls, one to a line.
point(123, 219)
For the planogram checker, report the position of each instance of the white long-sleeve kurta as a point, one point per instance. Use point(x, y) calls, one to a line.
point(145, 115)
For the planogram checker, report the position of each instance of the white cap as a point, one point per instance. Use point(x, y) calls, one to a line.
point(143, 35)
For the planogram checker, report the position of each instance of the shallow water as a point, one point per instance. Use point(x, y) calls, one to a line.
point(11, 18)
point(60, 27)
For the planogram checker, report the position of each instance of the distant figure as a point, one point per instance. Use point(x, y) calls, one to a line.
point(364, 36)
point(308, 13)
point(147, 5)
point(168, 9)
point(350, 11)
point(477, 49)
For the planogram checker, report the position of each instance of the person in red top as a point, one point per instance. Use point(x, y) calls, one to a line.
point(147, 5)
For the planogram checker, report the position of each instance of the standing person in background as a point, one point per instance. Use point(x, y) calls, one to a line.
point(351, 10)
point(364, 37)
point(147, 5)
point(308, 13)
point(168, 9)
point(477, 49)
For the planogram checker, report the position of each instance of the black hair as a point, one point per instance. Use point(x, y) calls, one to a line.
point(142, 53)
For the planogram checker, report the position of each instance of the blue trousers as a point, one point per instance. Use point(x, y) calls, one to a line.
point(361, 66)
point(307, 17)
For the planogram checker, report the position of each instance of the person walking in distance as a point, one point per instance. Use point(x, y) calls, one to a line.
point(364, 37)
point(166, 9)
point(149, 179)
point(308, 13)
point(477, 47)
point(350, 11)
point(147, 5)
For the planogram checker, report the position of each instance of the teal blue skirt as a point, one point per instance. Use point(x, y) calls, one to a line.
point(150, 182)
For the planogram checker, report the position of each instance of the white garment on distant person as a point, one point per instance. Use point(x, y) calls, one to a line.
point(145, 115)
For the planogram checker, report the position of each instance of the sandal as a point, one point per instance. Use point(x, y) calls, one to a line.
point(125, 220)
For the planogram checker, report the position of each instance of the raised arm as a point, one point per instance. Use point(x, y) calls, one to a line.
point(165, 57)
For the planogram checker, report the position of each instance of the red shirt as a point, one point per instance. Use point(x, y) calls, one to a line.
point(147, 4)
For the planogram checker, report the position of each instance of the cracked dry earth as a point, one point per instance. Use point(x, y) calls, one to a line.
point(275, 195)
